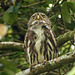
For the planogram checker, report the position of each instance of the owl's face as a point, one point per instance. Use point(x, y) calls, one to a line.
point(38, 19)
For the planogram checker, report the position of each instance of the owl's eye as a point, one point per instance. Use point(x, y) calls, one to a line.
point(30, 25)
point(43, 16)
point(33, 17)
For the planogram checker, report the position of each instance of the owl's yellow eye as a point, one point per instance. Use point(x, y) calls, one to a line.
point(33, 17)
point(43, 16)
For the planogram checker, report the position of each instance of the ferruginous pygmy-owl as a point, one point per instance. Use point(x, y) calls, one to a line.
point(40, 42)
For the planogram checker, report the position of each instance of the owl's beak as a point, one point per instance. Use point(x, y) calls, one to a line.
point(38, 17)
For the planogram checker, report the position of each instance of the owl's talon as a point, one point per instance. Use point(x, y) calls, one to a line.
point(42, 62)
point(32, 66)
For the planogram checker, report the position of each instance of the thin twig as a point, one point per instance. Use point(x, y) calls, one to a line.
point(33, 4)
point(67, 30)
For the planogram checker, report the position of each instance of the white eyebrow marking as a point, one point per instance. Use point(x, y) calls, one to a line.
point(43, 21)
point(33, 22)
point(38, 21)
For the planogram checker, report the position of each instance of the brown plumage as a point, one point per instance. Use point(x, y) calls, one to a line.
point(40, 42)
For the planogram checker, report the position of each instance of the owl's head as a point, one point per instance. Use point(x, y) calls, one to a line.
point(37, 19)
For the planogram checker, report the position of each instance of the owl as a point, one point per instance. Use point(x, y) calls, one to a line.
point(40, 42)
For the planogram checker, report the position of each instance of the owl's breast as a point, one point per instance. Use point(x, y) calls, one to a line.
point(38, 43)
point(40, 34)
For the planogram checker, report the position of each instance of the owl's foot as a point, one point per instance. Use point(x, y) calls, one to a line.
point(42, 62)
point(32, 66)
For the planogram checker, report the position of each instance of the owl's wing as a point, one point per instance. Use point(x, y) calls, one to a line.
point(29, 44)
point(29, 37)
point(51, 42)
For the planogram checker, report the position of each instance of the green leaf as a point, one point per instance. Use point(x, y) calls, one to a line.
point(72, 72)
point(65, 13)
point(71, 26)
point(11, 14)
point(8, 68)
point(7, 72)
point(9, 18)
point(8, 65)
point(71, 5)
point(54, 28)
point(14, 9)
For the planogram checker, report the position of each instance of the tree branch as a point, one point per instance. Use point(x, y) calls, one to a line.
point(65, 37)
point(11, 45)
point(19, 46)
point(33, 4)
point(51, 65)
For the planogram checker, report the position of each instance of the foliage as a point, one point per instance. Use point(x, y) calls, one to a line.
point(8, 69)
point(16, 13)
point(72, 72)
